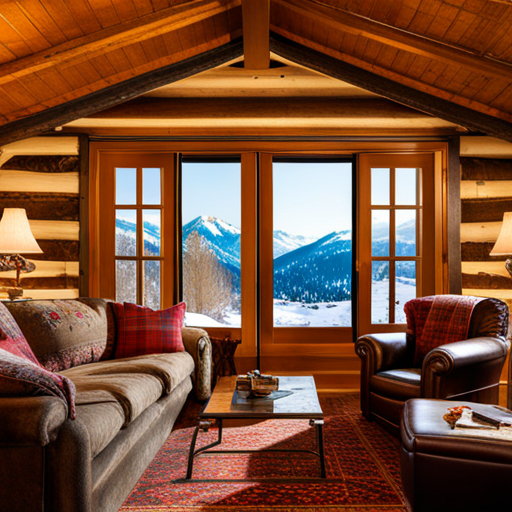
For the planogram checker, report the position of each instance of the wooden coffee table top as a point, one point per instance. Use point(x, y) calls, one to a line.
point(303, 402)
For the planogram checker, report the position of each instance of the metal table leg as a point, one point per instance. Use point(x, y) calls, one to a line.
point(201, 425)
point(319, 424)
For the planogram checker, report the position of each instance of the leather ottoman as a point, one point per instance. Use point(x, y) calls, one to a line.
point(451, 470)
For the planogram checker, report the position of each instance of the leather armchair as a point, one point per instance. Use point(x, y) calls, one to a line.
point(465, 370)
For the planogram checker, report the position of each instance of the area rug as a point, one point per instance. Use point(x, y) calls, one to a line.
point(362, 463)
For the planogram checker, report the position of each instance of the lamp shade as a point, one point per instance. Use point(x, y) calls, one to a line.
point(15, 233)
point(503, 246)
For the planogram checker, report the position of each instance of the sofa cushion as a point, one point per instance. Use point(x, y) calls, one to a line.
point(142, 330)
point(102, 415)
point(169, 369)
point(65, 333)
point(20, 372)
point(134, 392)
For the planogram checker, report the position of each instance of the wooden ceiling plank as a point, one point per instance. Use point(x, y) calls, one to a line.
point(118, 60)
point(61, 15)
point(150, 50)
point(114, 37)
point(12, 40)
point(161, 48)
point(83, 13)
point(136, 55)
point(255, 22)
point(172, 42)
point(24, 27)
point(342, 20)
point(5, 54)
point(40, 90)
point(378, 84)
point(40, 18)
point(103, 66)
point(372, 52)
point(125, 10)
point(118, 93)
point(235, 18)
point(55, 81)
point(187, 37)
point(105, 12)
point(143, 7)
point(459, 27)
point(387, 56)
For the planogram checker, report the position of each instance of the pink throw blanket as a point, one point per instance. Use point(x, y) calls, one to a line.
point(438, 320)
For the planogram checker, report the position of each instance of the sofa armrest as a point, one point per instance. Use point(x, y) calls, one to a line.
point(463, 367)
point(31, 420)
point(198, 345)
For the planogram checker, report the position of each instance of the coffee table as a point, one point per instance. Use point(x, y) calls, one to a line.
point(226, 403)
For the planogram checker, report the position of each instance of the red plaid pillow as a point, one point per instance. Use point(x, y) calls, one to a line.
point(142, 330)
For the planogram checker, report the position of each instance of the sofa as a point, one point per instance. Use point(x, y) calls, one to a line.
point(124, 409)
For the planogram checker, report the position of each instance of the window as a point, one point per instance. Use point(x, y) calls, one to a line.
point(211, 241)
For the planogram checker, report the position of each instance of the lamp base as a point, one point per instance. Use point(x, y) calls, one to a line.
point(15, 293)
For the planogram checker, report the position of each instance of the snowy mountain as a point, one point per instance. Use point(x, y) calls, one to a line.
point(283, 242)
point(126, 236)
point(318, 272)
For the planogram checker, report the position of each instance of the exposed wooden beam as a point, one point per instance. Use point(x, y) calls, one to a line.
point(345, 21)
point(390, 89)
point(256, 21)
point(110, 96)
point(139, 29)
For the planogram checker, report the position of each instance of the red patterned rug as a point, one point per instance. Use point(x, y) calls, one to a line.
point(362, 462)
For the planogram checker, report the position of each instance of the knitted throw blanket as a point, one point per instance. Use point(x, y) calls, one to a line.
point(438, 320)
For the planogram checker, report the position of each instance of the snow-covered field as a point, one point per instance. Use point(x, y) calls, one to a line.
point(323, 314)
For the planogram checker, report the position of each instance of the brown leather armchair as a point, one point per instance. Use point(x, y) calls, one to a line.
point(465, 370)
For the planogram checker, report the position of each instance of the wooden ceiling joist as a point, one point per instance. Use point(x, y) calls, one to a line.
point(95, 44)
point(387, 88)
point(345, 21)
point(57, 116)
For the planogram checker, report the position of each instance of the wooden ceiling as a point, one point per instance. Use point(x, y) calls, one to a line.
point(63, 61)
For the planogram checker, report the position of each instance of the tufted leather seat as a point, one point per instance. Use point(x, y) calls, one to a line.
point(464, 370)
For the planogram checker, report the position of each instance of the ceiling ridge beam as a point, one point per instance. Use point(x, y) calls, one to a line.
point(99, 100)
point(116, 36)
point(390, 89)
point(398, 38)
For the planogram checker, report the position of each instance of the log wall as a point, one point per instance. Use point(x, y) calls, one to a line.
point(41, 174)
point(486, 194)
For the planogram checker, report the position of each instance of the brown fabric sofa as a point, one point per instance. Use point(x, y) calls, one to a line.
point(464, 370)
point(125, 410)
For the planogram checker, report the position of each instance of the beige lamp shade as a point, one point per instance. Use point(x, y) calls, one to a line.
point(15, 234)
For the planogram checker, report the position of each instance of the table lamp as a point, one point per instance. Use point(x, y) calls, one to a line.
point(503, 246)
point(16, 237)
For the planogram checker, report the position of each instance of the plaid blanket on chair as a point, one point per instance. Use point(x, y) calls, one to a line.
point(438, 320)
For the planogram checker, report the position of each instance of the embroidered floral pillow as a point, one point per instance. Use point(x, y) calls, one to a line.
point(20, 372)
point(142, 330)
point(65, 333)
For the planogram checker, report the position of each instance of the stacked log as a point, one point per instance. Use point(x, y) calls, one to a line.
point(42, 175)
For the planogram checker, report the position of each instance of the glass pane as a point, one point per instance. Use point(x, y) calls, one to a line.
point(126, 281)
point(380, 292)
point(151, 233)
point(380, 186)
point(211, 212)
point(405, 287)
point(312, 243)
point(126, 233)
point(405, 186)
point(380, 232)
point(405, 240)
point(151, 186)
point(126, 185)
point(151, 296)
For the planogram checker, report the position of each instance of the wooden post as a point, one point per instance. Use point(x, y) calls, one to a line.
point(256, 20)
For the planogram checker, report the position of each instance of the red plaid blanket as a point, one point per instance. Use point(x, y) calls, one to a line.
point(438, 320)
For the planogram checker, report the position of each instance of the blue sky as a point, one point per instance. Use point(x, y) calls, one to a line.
point(311, 199)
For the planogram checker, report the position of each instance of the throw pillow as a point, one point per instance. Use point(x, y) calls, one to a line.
point(65, 333)
point(142, 330)
point(20, 372)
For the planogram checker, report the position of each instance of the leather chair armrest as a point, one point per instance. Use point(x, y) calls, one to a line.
point(451, 356)
point(379, 352)
point(31, 420)
point(448, 369)
point(197, 343)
